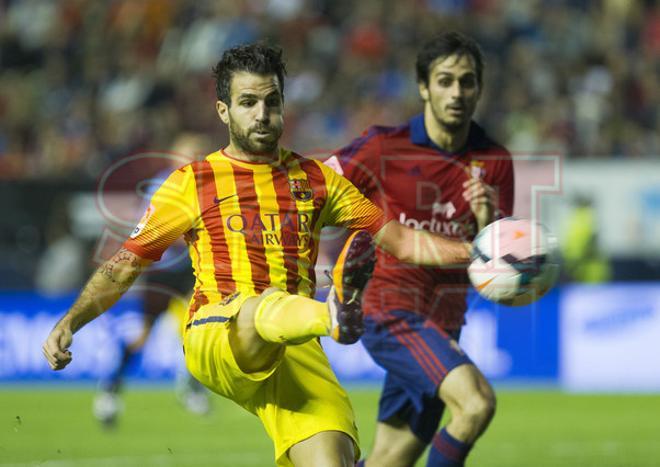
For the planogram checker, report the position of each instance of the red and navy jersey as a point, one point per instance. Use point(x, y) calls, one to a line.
point(415, 182)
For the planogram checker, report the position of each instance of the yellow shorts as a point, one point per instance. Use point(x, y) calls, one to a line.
point(298, 397)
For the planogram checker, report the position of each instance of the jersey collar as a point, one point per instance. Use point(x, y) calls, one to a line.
point(420, 137)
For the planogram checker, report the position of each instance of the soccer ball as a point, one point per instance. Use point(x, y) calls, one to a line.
point(514, 261)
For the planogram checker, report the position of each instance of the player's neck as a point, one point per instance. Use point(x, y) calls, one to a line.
point(262, 158)
point(449, 140)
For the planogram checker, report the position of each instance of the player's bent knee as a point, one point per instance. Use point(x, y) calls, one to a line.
point(478, 409)
point(489, 401)
point(250, 306)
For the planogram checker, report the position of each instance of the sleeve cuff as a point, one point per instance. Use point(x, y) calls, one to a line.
point(142, 252)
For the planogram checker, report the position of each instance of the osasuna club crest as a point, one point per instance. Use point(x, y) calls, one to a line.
point(301, 190)
point(477, 169)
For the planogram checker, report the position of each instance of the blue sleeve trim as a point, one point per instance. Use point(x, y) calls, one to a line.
point(210, 319)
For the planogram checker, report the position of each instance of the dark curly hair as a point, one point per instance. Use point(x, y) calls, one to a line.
point(254, 58)
point(443, 45)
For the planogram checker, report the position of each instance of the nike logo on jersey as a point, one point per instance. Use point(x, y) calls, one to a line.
point(217, 200)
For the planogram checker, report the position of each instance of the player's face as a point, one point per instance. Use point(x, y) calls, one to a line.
point(255, 117)
point(453, 91)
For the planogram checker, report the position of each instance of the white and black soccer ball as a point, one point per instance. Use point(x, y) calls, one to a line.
point(514, 261)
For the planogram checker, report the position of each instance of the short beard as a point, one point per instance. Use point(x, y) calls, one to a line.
point(242, 141)
point(451, 128)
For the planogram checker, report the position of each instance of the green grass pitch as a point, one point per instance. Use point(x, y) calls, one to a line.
point(54, 428)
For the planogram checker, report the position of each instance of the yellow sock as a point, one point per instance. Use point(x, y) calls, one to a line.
point(291, 319)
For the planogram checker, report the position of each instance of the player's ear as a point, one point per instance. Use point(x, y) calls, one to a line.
point(423, 90)
point(223, 111)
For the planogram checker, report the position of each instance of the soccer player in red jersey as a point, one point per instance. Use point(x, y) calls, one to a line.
point(251, 214)
point(439, 172)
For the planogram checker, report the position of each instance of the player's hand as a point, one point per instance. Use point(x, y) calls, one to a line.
point(482, 199)
point(56, 347)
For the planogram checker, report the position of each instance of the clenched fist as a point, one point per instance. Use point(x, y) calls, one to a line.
point(56, 347)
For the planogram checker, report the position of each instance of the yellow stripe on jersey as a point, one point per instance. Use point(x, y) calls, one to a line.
point(263, 184)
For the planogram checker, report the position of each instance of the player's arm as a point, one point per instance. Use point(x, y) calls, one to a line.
point(170, 214)
point(104, 288)
point(350, 209)
point(421, 247)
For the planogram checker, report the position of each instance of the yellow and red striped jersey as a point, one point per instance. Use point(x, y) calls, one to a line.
point(250, 226)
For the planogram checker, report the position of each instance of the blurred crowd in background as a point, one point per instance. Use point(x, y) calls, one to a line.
point(83, 82)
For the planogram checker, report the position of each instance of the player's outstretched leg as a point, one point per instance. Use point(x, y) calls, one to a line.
point(277, 318)
point(291, 319)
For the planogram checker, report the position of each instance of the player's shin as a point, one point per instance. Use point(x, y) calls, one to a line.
point(291, 319)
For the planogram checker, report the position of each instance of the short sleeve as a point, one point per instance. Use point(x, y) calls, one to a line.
point(173, 210)
point(347, 207)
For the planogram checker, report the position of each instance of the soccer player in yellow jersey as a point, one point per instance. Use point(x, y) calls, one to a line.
point(251, 214)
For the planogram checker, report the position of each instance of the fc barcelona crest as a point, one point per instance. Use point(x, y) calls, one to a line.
point(301, 190)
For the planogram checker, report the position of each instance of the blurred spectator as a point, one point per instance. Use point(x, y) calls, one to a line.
point(583, 259)
point(84, 83)
point(63, 266)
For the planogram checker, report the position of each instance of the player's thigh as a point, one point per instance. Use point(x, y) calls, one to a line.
point(325, 449)
point(210, 357)
point(465, 388)
point(251, 352)
point(395, 445)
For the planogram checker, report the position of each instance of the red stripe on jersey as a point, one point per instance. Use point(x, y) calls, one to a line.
point(199, 300)
point(249, 205)
point(317, 182)
point(288, 211)
point(206, 193)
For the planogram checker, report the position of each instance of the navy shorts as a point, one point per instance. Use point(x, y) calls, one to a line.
point(417, 355)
